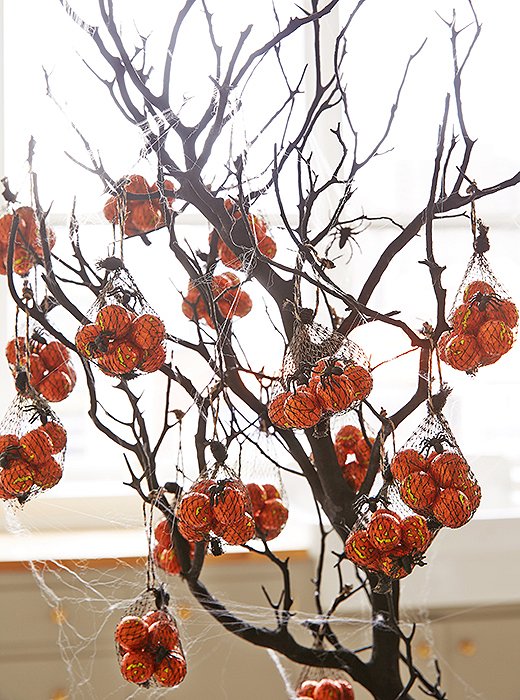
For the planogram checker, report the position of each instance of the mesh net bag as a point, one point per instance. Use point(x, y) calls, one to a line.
point(125, 337)
point(353, 448)
point(216, 507)
point(390, 541)
point(139, 207)
point(433, 478)
point(319, 683)
point(32, 448)
point(148, 646)
point(164, 554)
point(483, 317)
point(28, 250)
point(262, 479)
point(225, 294)
point(255, 230)
point(45, 364)
point(323, 373)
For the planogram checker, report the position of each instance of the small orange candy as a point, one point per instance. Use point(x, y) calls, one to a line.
point(147, 331)
point(57, 435)
point(302, 409)
point(419, 491)
point(406, 462)
point(171, 670)
point(17, 478)
point(36, 446)
point(495, 338)
point(360, 550)
point(137, 666)
point(239, 532)
point(195, 511)
point(463, 352)
point(415, 533)
point(114, 320)
point(360, 379)
point(452, 508)
point(132, 633)
point(384, 531)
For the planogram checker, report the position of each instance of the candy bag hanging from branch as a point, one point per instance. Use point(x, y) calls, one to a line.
point(323, 683)
point(323, 373)
point(391, 539)
point(164, 554)
point(138, 208)
point(483, 317)
point(256, 229)
point(224, 292)
point(432, 476)
point(32, 448)
point(125, 337)
point(46, 363)
point(263, 481)
point(148, 644)
point(353, 449)
point(216, 507)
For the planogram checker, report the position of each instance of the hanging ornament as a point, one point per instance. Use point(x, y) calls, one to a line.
point(263, 481)
point(217, 506)
point(125, 336)
point(28, 250)
point(46, 362)
point(323, 683)
point(226, 294)
point(323, 373)
point(138, 208)
point(483, 317)
point(432, 476)
point(148, 644)
point(257, 227)
point(32, 448)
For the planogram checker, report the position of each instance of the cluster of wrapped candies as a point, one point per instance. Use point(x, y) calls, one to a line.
point(29, 462)
point(230, 299)
point(388, 543)
point(216, 507)
point(331, 386)
point(264, 243)
point(269, 511)
point(325, 689)
point(139, 208)
point(353, 453)
point(121, 342)
point(482, 328)
point(149, 649)
point(439, 485)
point(49, 366)
point(164, 553)
point(27, 244)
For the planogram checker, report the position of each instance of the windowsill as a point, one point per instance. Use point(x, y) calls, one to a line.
point(100, 548)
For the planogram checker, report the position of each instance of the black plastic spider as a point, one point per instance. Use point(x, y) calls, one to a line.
point(215, 546)
point(481, 301)
point(437, 443)
point(11, 452)
point(128, 298)
point(407, 562)
point(40, 412)
point(372, 503)
point(99, 346)
point(331, 369)
point(216, 491)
